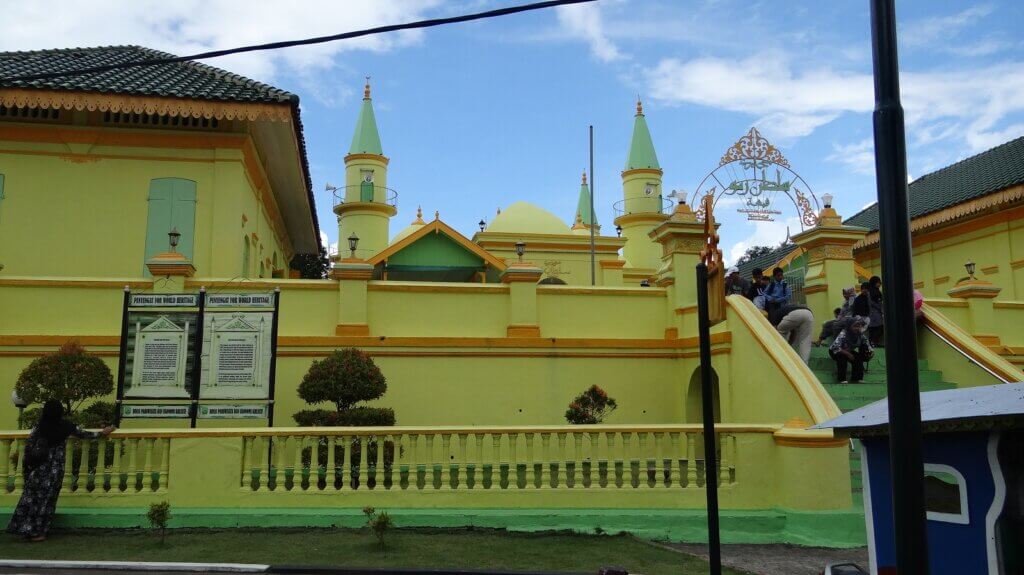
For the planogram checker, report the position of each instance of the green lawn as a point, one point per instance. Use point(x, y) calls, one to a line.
point(483, 549)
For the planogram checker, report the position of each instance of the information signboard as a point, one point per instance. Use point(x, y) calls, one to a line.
point(155, 411)
point(233, 411)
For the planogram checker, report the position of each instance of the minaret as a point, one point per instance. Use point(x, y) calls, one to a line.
point(641, 208)
point(584, 219)
point(368, 204)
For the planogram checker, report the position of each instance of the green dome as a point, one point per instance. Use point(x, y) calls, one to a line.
point(526, 218)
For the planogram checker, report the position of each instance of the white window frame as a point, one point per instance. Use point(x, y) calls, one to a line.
point(962, 518)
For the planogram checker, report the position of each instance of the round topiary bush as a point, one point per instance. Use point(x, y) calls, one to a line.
point(71, 376)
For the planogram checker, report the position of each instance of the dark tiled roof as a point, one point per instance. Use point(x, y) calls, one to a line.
point(766, 261)
point(187, 80)
point(179, 80)
point(980, 175)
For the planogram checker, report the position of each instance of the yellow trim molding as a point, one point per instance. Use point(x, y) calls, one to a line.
point(350, 330)
point(523, 331)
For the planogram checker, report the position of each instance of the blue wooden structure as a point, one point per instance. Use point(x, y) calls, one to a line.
point(974, 479)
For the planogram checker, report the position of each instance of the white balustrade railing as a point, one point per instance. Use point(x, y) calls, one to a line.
point(467, 459)
point(111, 465)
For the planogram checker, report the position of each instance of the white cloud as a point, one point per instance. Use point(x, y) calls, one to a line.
point(765, 234)
point(858, 156)
point(584, 22)
point(788, 104)
point(939, 29)
point(188, 26)
point(331, 247)
point(968, 104)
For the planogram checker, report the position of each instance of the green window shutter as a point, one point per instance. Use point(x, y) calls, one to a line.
point(1, 193)
point(172, 204)
point(366, 192)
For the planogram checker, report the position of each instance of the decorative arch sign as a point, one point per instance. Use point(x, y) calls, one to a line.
point(756, 173)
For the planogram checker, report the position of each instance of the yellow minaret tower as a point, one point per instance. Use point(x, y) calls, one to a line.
point(642, 205)
point(367, 205)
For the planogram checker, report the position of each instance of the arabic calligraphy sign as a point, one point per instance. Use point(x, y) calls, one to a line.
point(757, 178)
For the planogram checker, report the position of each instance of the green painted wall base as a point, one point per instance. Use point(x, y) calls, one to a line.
point(843, 528)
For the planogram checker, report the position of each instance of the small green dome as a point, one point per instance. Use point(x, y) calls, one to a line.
point(526, 218)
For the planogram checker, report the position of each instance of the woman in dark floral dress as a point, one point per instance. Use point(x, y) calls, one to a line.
point(45, 474)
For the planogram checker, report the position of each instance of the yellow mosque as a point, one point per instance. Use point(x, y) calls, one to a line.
point(171, 187)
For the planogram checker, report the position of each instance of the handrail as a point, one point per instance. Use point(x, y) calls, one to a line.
point(390, 196)
point(624, 207)
point(957, 338)
point(818, 402)
point(438, 430)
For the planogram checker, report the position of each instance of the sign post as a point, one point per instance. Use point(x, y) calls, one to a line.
point(710, 311)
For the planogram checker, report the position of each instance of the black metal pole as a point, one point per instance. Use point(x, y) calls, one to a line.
point(273, 357)
point(197, 361)
point(908, 513)
point(593, 219)
point(708, 407)
point(122, 357)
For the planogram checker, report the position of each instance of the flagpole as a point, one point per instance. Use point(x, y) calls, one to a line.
point(593, 220)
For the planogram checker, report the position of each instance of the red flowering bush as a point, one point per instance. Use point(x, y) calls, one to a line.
point(589, 407)
point(344, 378)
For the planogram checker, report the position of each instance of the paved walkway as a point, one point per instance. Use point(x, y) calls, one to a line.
point(778, 559)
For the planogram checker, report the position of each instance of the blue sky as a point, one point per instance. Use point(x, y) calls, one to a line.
point(477, 116)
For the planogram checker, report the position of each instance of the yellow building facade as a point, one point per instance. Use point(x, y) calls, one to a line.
point(484, 341)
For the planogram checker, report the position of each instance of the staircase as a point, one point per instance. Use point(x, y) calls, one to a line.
point(850, 396)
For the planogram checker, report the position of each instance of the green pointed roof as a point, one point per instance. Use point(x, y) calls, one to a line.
point(641, 148)
point(583, 205)
point(366, 139)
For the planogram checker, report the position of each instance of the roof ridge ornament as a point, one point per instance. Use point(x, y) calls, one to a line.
point(584, 177)
point(753, 146)
point(419, 217)
point(639, 106)
point(366, 89)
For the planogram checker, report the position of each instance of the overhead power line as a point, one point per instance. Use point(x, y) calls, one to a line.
point(304, 42)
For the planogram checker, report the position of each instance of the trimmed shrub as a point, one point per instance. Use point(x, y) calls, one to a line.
point(352, 417)
point(590, 407)
point(343, 378)
point(71, 376)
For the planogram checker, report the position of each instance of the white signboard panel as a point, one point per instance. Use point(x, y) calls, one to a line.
point(155, 411)
point(163, 300)
point(236, 355)
point(160, 355)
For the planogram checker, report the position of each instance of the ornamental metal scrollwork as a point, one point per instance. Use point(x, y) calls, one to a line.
point(753, 146)
point(755, 176)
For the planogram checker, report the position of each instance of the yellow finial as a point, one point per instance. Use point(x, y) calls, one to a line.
point(419, 216)
point(584, 177)
point(437, 214)
point(366, 89)
point(639, 106)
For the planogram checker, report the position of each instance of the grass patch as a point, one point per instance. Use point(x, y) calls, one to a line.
point(467, 548)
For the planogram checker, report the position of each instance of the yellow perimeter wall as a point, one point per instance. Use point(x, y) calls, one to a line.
point(444, 351)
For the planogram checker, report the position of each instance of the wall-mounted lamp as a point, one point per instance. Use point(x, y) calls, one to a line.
point(969, 266)
point(174, 236)
point(827, 200)
point(353, 241)
point(618, 231)
point(482, 225)
point(520, 250)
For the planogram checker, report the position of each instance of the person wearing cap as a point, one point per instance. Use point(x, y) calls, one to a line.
point(734, 284)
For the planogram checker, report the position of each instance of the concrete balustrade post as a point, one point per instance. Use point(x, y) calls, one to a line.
point(980, 297)
point(522, 280)
point(353, 275)
point(828, 249)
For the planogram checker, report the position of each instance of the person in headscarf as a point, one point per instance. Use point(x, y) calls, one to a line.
point(848, 296)
point(851, 346)
point(876, 329)
point(43, 469)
